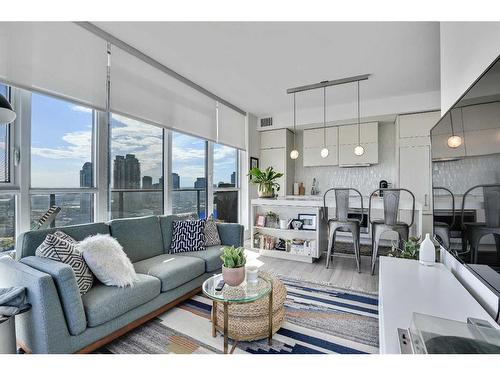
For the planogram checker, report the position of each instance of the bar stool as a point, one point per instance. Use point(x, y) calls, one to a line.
point(442, 230)
point(473, 232)
point(342, 221)
point(390, 221)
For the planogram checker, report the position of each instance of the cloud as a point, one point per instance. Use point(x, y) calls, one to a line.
point(79, 108)
point(78, 147)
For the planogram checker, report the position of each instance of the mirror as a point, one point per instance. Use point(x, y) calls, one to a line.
point(466, 174)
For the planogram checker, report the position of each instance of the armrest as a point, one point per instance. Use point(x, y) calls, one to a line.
point(230, 234)
point(67, 288)
point(40, 329)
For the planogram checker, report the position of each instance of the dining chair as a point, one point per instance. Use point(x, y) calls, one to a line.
point(343, 222)
point(441, 229)
point(390, 221)
point(472, 232)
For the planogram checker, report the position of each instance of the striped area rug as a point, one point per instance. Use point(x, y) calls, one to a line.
point(319, 319)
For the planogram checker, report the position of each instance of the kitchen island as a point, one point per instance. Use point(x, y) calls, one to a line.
point(315, 240)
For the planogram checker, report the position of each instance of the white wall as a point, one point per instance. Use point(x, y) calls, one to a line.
point(467, 49)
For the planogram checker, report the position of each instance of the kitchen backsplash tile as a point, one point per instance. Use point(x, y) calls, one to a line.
point(365, 179)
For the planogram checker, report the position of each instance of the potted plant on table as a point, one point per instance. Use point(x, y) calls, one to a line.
point(233, 267)
point(409, 250)
point(266, 181)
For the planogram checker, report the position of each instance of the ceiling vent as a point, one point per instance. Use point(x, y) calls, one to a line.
point(266, 122)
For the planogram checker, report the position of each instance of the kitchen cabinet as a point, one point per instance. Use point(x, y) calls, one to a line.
point(348, 139)
point(275, 149)
point(314, 142)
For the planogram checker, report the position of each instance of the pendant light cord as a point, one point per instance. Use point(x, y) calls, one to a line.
point(324, 117)
point(294, 121)
point(463, 128)
point(451, 123)
point(359, 131)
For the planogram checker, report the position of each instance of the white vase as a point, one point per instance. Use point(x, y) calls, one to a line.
point(427, 253)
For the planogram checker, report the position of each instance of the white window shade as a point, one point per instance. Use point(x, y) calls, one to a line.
point(141, 91)
point(231, 127)
point(58, 58)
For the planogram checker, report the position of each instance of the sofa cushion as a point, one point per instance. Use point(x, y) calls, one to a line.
point(211, 257)
point(166, 227)
point(103, 303)
point(28, 242)
point(188, 235)
point(172, 270)
point(140, 237)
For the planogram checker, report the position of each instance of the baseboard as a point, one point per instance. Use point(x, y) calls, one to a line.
point(136, 323)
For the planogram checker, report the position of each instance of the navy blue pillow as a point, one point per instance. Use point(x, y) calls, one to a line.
point(188, 235)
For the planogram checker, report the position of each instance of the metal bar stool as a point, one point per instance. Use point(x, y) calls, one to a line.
point(342, 221)
point(390, 221)
point(473, 232)
point(442, 230)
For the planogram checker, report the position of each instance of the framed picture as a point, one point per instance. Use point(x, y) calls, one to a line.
point(260, 221)
point(309, 221)
point(254, 162)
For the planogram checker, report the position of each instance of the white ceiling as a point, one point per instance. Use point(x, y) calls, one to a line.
point(251, 64)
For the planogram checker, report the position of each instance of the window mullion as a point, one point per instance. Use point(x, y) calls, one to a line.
point(210, 179)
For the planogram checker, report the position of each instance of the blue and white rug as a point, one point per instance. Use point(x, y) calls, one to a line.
point(319, 319)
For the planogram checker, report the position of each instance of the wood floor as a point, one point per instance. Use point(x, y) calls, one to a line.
point(342, 272)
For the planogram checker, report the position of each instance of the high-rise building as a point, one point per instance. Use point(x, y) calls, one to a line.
point(126, 172)
point(233, 178)
point(176, 181)
point(200, 183)
point(86, 175)
point(147, 182)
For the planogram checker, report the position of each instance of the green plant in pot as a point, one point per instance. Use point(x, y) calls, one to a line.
point(408, 250)
point(233, 267)
point(265, 181)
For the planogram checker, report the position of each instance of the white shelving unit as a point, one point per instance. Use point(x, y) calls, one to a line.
point(287, 212)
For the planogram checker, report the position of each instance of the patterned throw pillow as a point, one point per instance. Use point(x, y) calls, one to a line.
point(212, 237)
point(63, 248)
point(188, 235)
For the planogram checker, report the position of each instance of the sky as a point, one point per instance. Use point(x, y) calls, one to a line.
point(61, 143)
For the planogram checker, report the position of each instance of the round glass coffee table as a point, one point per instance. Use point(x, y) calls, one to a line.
point(243, 293)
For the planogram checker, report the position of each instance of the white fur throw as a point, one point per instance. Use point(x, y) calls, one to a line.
point(105, 257)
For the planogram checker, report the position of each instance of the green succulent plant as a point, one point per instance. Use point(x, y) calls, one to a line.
point(409, 250)
point(233, 257)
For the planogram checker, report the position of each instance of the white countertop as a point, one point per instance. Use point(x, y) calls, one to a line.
point(406, 286)
point(317, 201)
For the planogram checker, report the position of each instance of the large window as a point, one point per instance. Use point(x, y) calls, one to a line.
point(4, 143)
point(136, 168)
point(7, 221)
point(189, 180)
point(225, 171)
point(61, 160)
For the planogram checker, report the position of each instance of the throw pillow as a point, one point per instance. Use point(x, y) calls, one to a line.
point(107, 260)
point(57, 248)
point(212, 237)
point(188, 236)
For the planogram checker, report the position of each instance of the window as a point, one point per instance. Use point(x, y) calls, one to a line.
point(136, 168)
point(4, 143)
point(7, 222)
point(225, 171)
point(189, 180)
point(61, 160)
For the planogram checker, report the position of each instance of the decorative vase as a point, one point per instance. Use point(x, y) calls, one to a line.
point(233, 276)
point(252, 274)
point(265, 191)
point(427, 252)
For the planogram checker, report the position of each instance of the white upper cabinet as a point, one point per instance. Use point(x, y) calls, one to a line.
point(348, 139)
point(273, 139)
point(417, 124)
point(313, 144)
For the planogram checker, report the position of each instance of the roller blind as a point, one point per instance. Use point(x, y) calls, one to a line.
point(141, 91)
point(58, 58)
point(231, 127)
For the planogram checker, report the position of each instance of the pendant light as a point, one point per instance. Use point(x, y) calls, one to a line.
point(359, 150)
point(324, 151)
point(7, 115)
point(454, 141)
point(295, 153)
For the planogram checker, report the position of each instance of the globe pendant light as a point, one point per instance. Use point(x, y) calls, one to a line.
point(454, 141)
point(324, 150)
point(7, 115)
point(295, 153)
point(359, 150)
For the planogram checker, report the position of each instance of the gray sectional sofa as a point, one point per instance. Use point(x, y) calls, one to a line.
point(62, 321)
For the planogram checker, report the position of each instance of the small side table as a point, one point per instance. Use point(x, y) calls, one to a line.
point(243, 293)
